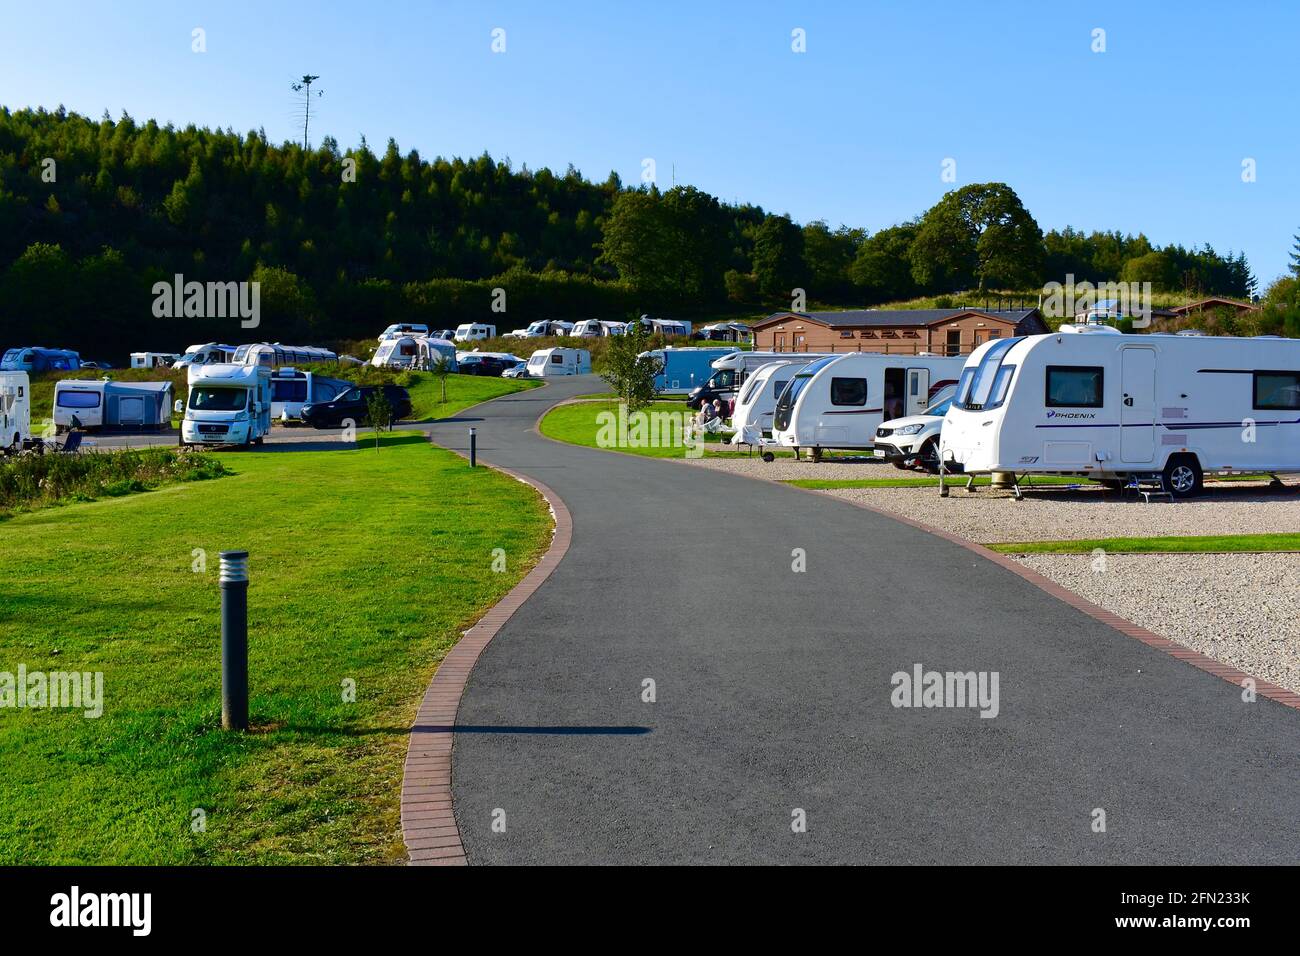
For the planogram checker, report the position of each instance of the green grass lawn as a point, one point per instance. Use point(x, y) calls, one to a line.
point(1235, 542)
point(359, 571)
point(462, 392)
point(579, 424)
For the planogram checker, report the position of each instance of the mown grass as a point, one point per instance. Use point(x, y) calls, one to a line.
point(357, 573)
point(580, 424)
point(1162, 545)
point(462, 391)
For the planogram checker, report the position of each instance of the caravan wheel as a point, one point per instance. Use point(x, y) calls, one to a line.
point(769, 457)
point(1182, 476)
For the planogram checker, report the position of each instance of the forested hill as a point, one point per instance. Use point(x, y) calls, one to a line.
point(92, 214)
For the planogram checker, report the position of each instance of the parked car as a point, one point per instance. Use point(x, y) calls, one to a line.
point(517, 371)
point(913, 441)
point(354, 404)
point(472, 363)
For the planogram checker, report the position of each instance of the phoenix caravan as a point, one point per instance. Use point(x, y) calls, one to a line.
point(273, 355)
point(475, 331)
point(732, 371)
point(212, 353)
point(682, 369)
point(40, 360)
point(108, 404)
point(546, 363)
point(154, 359)
point(292, 388)
point(596, 328)
point(837, 402)
point(400, 329)
point(228, 405)
point(1093, 402)
point(15, 410)
point(751, 416)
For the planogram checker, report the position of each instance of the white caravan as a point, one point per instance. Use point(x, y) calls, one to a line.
point(596, 328)
point(751, 415)
point(103, 403)
point(15, 410)
point(228, 405)
point(838, 402)
point(399, 329)
point(274, 355)
point(433, 350)
point(397, 351)
point(733, 370)
point(212, 353)
point(154, 359)
point(475, 331)
point(667, 327)
point(1093, 402)
point(540, 330)
point(292, 388)
point(546, 363)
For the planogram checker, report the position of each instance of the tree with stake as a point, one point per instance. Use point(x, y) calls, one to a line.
point(379, 412)
point(440, 369)
point(629, 373)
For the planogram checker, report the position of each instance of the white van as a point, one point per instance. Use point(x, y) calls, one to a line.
point(154, 359)
point(15, 410)
point(1096, 403)
point(228, 405)
point(212, 353)
point(474, 331)
point(545, 363)
point(838, 402)
point(540, 330)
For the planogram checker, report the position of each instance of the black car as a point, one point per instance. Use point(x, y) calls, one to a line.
point(354, 404)
point(485, 365)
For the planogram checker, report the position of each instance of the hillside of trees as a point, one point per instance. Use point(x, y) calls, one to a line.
point(344, 242)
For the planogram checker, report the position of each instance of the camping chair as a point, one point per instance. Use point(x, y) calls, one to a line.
point(70, 445)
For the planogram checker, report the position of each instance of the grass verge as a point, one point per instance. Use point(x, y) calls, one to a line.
point(358, 574)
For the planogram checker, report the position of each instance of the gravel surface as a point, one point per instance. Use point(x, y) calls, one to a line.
point(1242, 609)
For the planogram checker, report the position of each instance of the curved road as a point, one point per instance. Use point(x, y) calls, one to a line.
point(773, 694)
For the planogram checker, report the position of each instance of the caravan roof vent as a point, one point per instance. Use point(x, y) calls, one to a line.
point(1081, 328)
point(1189, 332)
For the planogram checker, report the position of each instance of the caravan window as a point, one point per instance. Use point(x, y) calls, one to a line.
point(974, 391)
point(747, 395)
point(1075, 386)
point(78, 399)
point(289, 390)
point(998, 394)
point(557, 359)
point(1277, 391)
point(848, 391)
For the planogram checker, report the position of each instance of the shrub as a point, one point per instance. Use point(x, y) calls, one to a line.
point(34, 481)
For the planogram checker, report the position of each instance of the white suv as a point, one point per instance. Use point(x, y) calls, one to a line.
point(913, 441)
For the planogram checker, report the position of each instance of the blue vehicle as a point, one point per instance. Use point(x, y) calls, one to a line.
point(37, 359)
point(685, 368)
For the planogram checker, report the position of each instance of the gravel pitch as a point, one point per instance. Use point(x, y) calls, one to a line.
point(1242, 609)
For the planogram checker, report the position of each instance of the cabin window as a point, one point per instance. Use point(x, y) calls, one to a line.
point(848, 391)
point(846, 335)
point(994, 334)
point(1075, 386)
point(1277, 391)
point(74, 399)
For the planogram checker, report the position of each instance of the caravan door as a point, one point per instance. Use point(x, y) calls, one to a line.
point(918, 391)
point(1137, 414)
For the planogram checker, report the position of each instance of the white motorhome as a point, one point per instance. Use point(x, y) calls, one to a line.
point(292, 388)
point(838, 402)
point(227, 405)
point(1093, 402)
point(545, 363)
point(475, 331)
point(103, 403)
point(154, 359)
point(399, 329)
point(751, 415)
point(211, 353)
point(596, 328)
point(274, 355)
point(731, 371)
point(15, 410)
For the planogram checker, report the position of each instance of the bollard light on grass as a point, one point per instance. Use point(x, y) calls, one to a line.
point(234, 640)
point(473, 446)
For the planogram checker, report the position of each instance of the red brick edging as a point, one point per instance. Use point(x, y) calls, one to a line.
point(428, 824)
point(1208, 664)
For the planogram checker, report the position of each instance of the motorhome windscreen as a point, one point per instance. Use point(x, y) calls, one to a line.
point(218, 399)
point(78, 399)
point(974, 390)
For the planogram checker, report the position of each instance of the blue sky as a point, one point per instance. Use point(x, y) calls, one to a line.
point(1148, 136)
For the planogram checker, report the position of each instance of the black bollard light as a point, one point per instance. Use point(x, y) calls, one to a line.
point(473, 446)
point(234, 640)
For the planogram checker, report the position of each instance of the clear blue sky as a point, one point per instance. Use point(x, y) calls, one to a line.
point(1148, 136)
